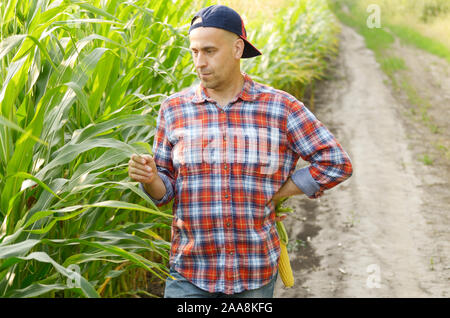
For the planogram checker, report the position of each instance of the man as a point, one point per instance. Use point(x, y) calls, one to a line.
point(225, 150)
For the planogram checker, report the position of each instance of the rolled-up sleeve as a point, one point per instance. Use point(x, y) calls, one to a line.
point(169, 190)
point(305, 182)
point(162, 154)
point(309, 138)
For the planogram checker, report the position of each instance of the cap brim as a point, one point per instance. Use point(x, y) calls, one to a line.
point(249, 50)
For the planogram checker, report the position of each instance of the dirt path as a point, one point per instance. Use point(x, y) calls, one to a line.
point(385, 231)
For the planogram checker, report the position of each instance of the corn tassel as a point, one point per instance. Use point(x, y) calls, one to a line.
point(284, 265)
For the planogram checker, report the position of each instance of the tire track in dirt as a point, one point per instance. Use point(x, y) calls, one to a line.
point(374, 220)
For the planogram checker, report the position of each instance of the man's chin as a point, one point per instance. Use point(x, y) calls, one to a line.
point(208, 84)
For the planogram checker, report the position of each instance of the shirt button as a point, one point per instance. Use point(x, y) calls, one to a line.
point(225, 167)
point(226, 196)
point(228, 224)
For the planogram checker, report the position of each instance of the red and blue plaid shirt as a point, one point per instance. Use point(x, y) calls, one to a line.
point(222, 165)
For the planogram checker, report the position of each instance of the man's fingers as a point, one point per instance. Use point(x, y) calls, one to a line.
point(138, 159)
point(147, 159)
point(142, 159)
point(141, 178)
point(139, 162)
point(279, 218)
point(141, 171)
point(139, 174)
point(141, 168)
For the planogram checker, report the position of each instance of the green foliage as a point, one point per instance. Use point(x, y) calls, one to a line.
point(434, 9)
point(297, 46)
point(380, 39)
point(412, 37)
point(426, 160)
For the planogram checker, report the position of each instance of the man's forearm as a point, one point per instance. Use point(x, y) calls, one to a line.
point(288, 189)
point(156, 189)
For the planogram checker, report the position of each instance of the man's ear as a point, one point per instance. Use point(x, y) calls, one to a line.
point(239, 48)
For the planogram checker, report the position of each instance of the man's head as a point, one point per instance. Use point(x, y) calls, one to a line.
point(218, 41)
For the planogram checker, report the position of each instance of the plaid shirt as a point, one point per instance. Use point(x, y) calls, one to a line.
point(222, 165)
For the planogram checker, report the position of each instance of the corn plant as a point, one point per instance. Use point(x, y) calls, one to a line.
point(298, 43)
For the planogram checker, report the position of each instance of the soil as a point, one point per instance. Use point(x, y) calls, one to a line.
point(385, 231)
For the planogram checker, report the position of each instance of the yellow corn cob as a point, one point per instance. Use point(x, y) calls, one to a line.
point(284, 265)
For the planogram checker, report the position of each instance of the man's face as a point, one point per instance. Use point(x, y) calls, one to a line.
point(214, 55)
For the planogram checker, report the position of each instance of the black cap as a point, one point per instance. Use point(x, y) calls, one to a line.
point(222, 17)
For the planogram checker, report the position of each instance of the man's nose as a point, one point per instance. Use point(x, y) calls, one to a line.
point(200, 61)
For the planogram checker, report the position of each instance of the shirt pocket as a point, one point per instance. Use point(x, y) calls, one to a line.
point(191, 169)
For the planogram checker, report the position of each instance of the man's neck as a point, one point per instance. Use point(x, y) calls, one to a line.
point(226, 94)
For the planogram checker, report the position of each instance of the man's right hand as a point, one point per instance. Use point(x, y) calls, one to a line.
point(142, 168)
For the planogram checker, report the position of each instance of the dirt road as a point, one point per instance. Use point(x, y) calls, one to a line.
point(385, 231)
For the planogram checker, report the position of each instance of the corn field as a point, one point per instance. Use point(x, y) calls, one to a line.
point(81, 85)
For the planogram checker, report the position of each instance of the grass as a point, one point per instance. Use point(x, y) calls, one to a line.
point(390, 66)
point(393, 21)
point(380, 41)
point(426, 160)
point(352, 220)
point(297, 245)
point(415, 38)
point(417, 22)
point(445, 151)
point(420, 106)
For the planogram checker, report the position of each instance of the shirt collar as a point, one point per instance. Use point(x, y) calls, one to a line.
point(246, 94)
